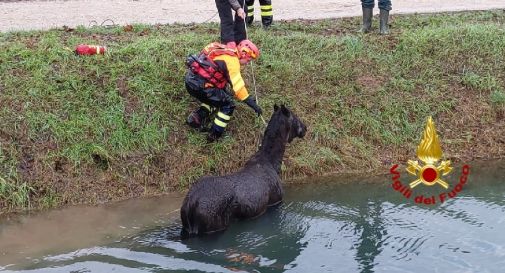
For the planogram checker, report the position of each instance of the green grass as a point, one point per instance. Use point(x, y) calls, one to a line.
point(13, 192)
point(113, 126)
point(498, 97)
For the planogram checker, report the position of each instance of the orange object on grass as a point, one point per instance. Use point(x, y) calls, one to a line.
point(90, 49)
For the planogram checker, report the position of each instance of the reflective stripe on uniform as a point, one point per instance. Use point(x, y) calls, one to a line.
point(219, 123)
point(206, 106)
point(242, 94)
point(266, 10)
point(223, 116)
point(250, 11)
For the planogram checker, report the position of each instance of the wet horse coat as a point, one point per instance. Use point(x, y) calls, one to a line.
point(213, 201)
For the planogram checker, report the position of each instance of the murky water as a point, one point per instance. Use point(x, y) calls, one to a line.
point(342, 225)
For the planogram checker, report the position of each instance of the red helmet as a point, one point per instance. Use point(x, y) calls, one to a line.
point(247, 50)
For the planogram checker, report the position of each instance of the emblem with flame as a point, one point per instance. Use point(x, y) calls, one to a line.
point(430, 153)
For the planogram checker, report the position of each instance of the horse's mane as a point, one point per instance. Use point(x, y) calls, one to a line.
point(273, 126)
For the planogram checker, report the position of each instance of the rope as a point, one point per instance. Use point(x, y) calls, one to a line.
point(256, 93)
point(94, 23)
point(191, 25)
point(252, 66)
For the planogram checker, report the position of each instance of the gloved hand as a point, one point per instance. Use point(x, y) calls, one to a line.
point(252, 103)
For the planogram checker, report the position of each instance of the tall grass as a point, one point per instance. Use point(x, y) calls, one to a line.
point(115, 123)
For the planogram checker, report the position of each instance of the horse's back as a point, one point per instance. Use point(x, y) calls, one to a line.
point(212, 201)
point(253, 190)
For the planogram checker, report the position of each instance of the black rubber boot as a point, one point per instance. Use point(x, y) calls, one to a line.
point(194, 120)
point(367, 20)
point(249, 20)
point(198, 119)
point(267, 21)
point(384, 18)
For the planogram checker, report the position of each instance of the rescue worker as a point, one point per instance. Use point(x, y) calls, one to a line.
point(210, 77)
point(232, 31)
point(384, 7)
point(266, 12)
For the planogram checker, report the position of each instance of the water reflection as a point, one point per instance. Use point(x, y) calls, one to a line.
point(372, 229)
point(57, 231)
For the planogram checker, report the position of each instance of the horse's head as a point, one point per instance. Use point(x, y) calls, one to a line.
point(295, 126)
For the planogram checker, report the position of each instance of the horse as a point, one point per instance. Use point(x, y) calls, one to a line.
point(213, 200)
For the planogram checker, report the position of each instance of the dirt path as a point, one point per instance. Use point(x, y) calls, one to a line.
point(18, 15)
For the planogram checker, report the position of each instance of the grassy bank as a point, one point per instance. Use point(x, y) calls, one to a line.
point(94, 129)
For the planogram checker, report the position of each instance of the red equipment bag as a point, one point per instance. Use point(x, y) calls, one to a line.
point(204, 66)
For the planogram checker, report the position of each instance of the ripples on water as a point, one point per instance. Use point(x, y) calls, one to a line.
point(354, 227)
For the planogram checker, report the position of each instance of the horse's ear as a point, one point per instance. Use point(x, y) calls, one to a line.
point(285, 111)
point(276, 107)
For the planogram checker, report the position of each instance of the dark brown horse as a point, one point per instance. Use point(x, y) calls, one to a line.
point(213, 201)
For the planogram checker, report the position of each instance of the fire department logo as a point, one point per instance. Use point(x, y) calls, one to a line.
point(430, 153)
point(430, 170)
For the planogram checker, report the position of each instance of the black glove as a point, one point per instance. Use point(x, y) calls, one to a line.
point(252, 103)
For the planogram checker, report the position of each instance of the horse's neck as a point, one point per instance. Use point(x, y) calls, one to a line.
point(272, 150)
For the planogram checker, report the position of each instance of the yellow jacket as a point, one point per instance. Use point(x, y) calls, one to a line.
point(237, 82)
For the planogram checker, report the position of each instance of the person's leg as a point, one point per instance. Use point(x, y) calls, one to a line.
point(220, 122)
point(195, 87)
point(224, 102)
point(226, 16)
point(385, 4)
point(250, 12)
point(369, 4)
point(266, 13)
point(198, 119)
point(367, 7)
point(239, 26)
point(385, 7)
